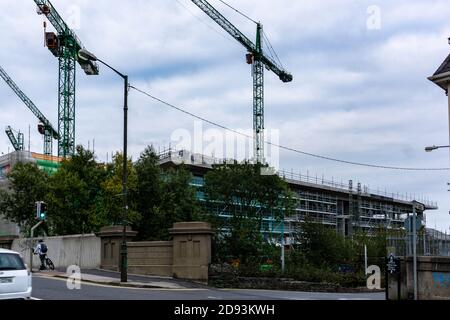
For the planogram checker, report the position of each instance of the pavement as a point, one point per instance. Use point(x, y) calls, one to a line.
point(106, 277)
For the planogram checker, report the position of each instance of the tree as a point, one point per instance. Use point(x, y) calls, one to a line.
point(321, 246)
point(111, 203)
point(247, 197)
point(28, 184)
point(68, 203)
point(73, 194)
point(178, 200)
point(148, 193)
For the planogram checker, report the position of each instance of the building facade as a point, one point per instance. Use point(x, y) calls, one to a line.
point(343, 207)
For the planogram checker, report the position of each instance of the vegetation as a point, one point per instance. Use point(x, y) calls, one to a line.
point(28, 183)
point(84, 195)
point(248, 197)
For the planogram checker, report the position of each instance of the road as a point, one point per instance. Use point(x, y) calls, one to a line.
point(56, 289)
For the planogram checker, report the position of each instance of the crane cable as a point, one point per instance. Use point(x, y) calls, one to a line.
point(204, 22)
point(271, 49)
point(284, 147)
point(242, 14)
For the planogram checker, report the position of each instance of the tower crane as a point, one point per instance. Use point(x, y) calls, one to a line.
point(18, 141)
point(258, 60)
point(65, 46)
point(45, 127)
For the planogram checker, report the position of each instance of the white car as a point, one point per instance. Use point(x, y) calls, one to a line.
point(15, 279)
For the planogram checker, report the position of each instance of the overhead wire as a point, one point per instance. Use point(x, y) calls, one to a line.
point(281, 146)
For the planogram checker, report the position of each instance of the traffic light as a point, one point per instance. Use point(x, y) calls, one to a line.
point(41, 210)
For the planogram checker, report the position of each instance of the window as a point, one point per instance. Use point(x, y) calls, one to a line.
point(11, 261)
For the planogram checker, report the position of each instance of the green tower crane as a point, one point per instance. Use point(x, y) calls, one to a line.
point(258, 60)
point(18, 141)
point(65, 46)
point(45, 127)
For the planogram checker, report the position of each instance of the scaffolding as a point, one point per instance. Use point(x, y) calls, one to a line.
point(328, 202)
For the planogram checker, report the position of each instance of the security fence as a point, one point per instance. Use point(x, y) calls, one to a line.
point(429, 242)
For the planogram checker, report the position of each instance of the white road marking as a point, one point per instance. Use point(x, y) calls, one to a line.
point(87, 283)
point(32, 298)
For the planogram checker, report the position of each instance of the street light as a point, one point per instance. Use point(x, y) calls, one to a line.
point(429, 149)
point(86, 55)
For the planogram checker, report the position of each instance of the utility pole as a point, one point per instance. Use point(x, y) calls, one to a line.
point(414, 245)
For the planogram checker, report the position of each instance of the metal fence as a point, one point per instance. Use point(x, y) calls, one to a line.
point(429, 243)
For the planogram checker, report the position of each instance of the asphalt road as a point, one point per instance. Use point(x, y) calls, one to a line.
point(56, 289)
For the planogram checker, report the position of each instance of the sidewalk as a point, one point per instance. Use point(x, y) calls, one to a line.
point(112, 278)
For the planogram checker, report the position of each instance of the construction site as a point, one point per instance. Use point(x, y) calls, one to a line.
point(345, 207)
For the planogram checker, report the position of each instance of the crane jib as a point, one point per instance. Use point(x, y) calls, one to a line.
point(27, 102)
point(242, 39)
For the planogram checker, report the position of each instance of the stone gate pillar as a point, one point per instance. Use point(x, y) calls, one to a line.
point(191, 250)
point(111, 240)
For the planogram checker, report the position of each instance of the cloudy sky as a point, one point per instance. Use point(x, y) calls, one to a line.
point(360, 91)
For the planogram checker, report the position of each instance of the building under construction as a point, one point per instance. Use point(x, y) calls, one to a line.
point(343, 207)
point(7, 162)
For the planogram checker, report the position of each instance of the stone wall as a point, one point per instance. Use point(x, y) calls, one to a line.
point(433, 279)
point(187, 256)
point(150, 258)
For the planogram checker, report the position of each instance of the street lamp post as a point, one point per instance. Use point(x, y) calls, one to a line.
point(86, 55)
point(431, 148)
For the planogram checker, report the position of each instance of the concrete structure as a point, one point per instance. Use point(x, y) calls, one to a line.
point(7, 241)
point(80, 250)
point(111, 240)
point(344, 207)
point(187, 256)
point(433, 279)
point(191, 250)
point(151, 258)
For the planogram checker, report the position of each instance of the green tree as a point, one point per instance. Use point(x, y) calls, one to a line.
point(247, 197)
point(68, 204)
point(322, 247)
point(178, 200)
point(27, 184)
point(73, 194)
point(111, 204)
point(147, 197)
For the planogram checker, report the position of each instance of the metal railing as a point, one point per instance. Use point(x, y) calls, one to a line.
point(200, 159)
point(365, 190)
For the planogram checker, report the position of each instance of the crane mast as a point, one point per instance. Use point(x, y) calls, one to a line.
point(16, 142)
point(65, 46)
point(258, 59)
point(45, 127)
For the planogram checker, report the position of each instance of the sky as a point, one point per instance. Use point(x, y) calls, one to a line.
point(360, 91)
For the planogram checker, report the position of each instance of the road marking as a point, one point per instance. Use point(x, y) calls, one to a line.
point(32, 298)
point(87, 283)
point(214, 298)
